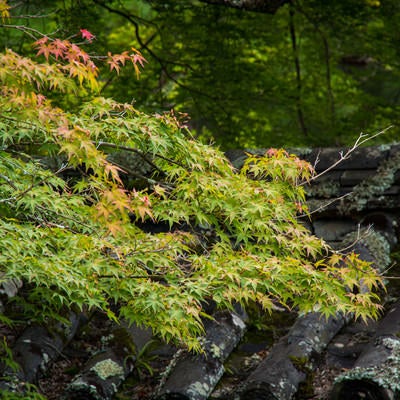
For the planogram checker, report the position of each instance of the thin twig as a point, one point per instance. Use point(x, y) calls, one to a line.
point(150, 276)
point(363, 138)
point(63, 216)
point(9, 181)
point(29, 16)
point(26, 29)
point(328, 203)
point(392, 277)
point(132, 150)
point(388, 268)
point(162, 62)
point(360, 236)
point(150, 181)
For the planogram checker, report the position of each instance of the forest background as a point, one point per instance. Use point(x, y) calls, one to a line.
point(312, 73)
point(73, 115)
point(274, 74)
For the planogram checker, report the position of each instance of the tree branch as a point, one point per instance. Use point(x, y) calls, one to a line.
point(363, 138)
point(261, 6)
point(31, 32)
point(132, 150)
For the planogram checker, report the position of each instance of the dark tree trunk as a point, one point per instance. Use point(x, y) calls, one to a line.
point(105, 371)
point(375, 375)
point(193, 377)
point(36, 348)
point(279, 375)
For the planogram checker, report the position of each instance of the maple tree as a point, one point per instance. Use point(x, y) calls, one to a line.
point(81, 175)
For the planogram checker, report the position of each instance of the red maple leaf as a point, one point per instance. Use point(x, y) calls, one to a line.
point(271, 152)
point(58, 48)
point(87, 35)
point(138, 58)
point(41, 41)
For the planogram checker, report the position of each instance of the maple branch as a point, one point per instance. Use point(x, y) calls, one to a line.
point(39, 183)
point(391, 277)
point(9, 181)
point(105, 144)
point(90, 228)
point(24, 192)
point(383, 273)
point(359, 236)
point(132, 150)
point(152, 251)
point(22, 122)
point(363, 138)
point(320, 208)
point(25, 29)
point(29, 16)
point(157, 277)
point(150, 181)
point(113, 76)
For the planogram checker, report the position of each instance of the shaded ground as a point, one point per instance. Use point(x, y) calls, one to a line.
point(143, 383)
point(340, 355)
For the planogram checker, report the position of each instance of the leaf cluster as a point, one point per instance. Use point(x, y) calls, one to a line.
point(72, 216)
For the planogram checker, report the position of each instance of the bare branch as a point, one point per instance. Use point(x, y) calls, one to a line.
point(360, 235)
point(328, 203)
point(363, 138)
point(27, 30)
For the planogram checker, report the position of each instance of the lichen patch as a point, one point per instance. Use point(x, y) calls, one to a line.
point(385, 375)
point(107, 368)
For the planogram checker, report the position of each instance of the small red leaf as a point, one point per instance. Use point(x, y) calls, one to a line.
point(87, 35)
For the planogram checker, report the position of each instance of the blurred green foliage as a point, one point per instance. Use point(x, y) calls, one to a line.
point(234, 72)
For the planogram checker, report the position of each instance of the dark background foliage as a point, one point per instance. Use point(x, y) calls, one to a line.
point(315, 73)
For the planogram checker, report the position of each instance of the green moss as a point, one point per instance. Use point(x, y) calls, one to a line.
point(80, 385)
point(204, 389)
point(302, 364)
point(216, 351)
